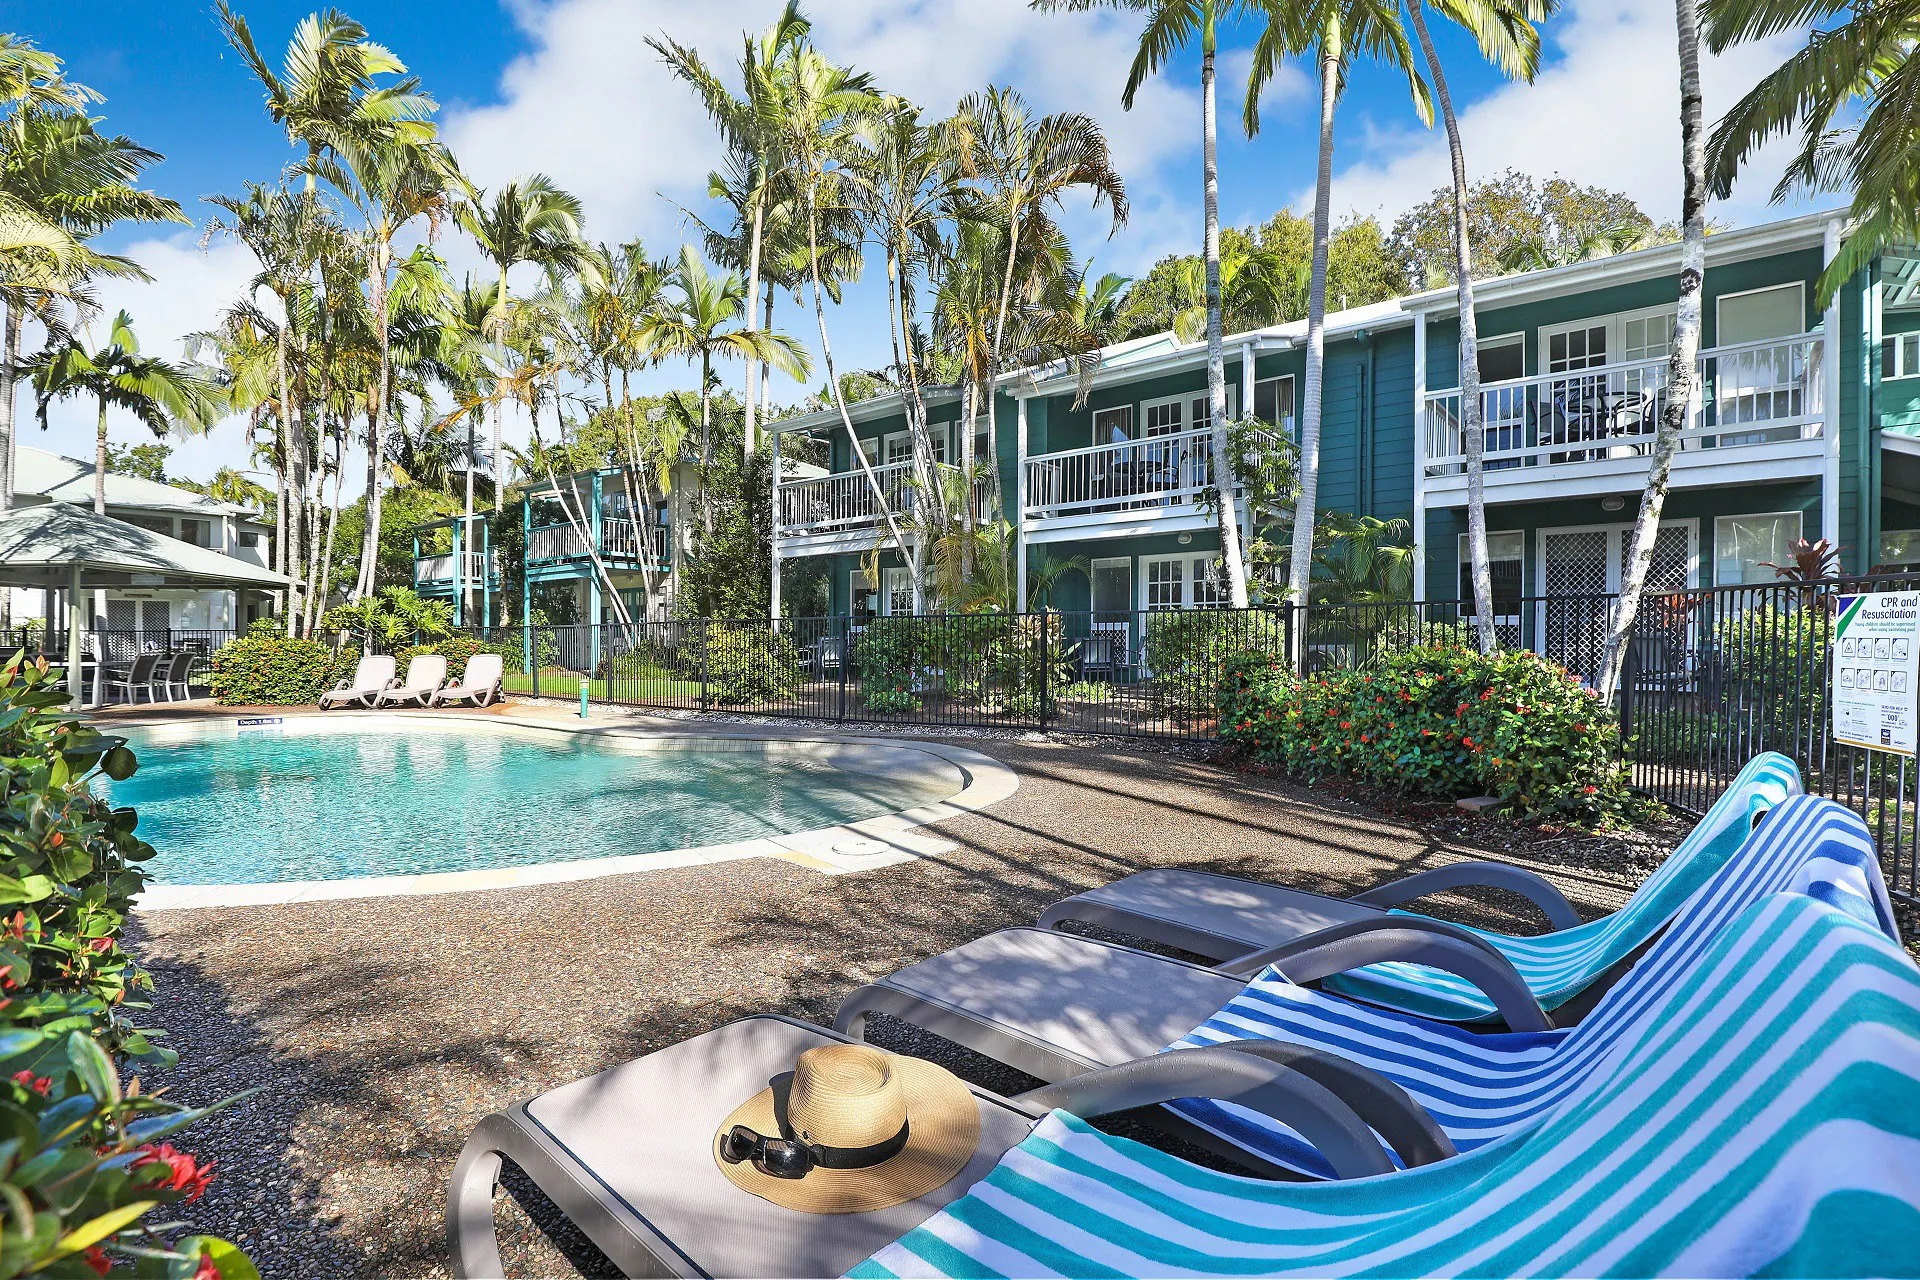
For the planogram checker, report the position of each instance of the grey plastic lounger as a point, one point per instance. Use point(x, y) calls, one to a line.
point(478, 684)
point(1227, 919)
point(426, 672)
point(373, 674)
point(627, 1154)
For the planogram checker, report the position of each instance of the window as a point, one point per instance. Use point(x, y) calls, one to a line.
point(1900, 547)
point(1166, 582)
point(1273, 403)
point(1900, 355)
point(1184, 581)
point(900, 443)
point(1502, 359)
point(1113, 586)
point(248, 539)
point(1506, 552)
point(1746, 547)
point(197, 532)
point(157, 524)
point(1163, 418)
point(898, 597)
point(1759, 314)
point(1110, 426)
point(1183, 412)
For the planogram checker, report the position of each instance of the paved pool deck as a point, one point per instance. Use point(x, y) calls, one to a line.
point(381, 1029)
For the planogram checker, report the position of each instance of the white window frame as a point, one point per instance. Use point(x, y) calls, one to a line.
point(1520, 558)
point(1901, 369)
point(1187, 416)
point(1913, 535)
point(1800, 531)
point(1619, 535)
point(1799, 288)
point(1614, 323)
point(1104, 434)
point(937, 432)
point(1290, 423)
point(1144, 575)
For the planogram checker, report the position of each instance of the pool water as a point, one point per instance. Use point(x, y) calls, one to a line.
point(262, 806)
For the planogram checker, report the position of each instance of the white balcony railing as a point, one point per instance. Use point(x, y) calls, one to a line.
point(619, 540)
point(1750, 393)
point(439, 568)
point(845, 502)
point(1172, 470)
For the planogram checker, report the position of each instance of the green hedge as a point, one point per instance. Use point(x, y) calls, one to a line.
point(1439, 721)
point(750, 665)
point(268, 668)
point(86, 1171)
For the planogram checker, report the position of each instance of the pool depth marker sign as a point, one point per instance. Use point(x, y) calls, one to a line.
point(1876, 671)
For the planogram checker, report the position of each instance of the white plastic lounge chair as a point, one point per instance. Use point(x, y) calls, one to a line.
point(373, 674)
point(628, 1154)
point(426, 672)
point(1231, 920)
point(478, 684)
point(1759, 1122)
point(1781, 1071)
point(1055, 1005)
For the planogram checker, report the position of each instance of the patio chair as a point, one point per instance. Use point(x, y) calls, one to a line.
point(179, 667)
point(373, 674)
point(134, 676)
point(660, 1206)
point(426, 672)
point(1757, 1122)
point(479, 683)
point(1228, 919)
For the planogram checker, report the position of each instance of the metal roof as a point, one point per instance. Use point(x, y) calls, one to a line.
point(39, 544)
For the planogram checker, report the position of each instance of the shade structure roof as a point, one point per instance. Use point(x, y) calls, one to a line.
point(39, 544)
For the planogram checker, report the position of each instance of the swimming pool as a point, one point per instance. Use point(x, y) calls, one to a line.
point(320, 799)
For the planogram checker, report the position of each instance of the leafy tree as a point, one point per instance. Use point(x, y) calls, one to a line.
point(1515, 222)
point(147, 461)
point(402, 509)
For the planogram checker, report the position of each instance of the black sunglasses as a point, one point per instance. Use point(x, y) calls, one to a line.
point(792, 1158)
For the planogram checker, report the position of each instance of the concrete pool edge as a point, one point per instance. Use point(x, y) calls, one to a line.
point(867, 844)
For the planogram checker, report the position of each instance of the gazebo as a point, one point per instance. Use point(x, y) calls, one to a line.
point(61, 547)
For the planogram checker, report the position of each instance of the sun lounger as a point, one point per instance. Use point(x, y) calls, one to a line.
point(426, 672)
point(373, 674)
point(628, 1154)
point(1055, 1004)
point(478, 684)
point(1232, 921)
point(1758, 1122)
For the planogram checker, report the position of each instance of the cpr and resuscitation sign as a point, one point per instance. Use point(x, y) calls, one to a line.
point(1876, 671)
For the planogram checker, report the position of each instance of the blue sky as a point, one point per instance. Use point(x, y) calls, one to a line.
point(568, 87)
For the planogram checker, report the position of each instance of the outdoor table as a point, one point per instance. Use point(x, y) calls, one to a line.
point(629, 1155)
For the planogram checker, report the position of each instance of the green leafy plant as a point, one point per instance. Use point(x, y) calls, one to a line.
point(392, 617)
point(748, 665)
point(890, 655)
point(1188, 651)
point(456, 649)
point(84, 1156)
point(1437, 720)
point(268, 668)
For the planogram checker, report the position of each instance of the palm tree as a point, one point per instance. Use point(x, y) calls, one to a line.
point(1849, 94)
point(529, 220)
point(1093, 318)
point(705, 319)
point(1171, 25)
point(59, 173)
point(749, 126)
point(163, 395)
point(327, 93)
point(1682, 359)
point(1506, 34)
point(1537, 253)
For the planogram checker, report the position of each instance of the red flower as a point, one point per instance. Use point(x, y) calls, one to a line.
point(1346, 724)
point(1590, 788)
point(96, 1258)
point(1580, 728)
point(207, 1270)
point(39, 1084)
point(1466, 742)
point(1462, 710)
point(1364, 738)
point(184, 1172)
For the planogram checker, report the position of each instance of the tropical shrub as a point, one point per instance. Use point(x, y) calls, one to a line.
point(456, 649)
point(84, 1158)
point(391, 617)
point(1436, 720)
point(890, 655)
point(268, 668)
point(750, 664)
point(1188, 651)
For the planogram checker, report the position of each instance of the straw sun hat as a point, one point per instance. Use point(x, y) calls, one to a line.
point(853, 1129)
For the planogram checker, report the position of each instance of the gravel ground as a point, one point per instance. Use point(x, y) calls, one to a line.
point(380, 1031)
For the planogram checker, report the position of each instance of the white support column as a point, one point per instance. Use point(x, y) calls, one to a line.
point(1246, 379)
point(76, 623)
point(1830, 414)
point(1020, 506)
point(1420, 456)
point(773, 538)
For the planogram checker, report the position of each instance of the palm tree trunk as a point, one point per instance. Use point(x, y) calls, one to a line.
point(1472, 414)
point(766, 371)
point(294, 529)
point(755, 370)
point(1301, 568)
point(1223, 478)
point(8, 379)
point(376, 423)
point(333, 529)
point(1682, 361)
point(706, 445)
point(833, 384)
point(499, 483)
point(100, 462)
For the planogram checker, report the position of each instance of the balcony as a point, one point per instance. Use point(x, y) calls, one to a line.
point(1760, 415)
point(1150, 485)
point(842, 513)
point(438, 570)
point(621, 543)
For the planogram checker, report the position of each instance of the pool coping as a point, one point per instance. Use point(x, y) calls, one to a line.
point(868, 844)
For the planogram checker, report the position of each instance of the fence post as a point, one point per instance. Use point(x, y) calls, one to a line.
point(533, 662)
point(1046, 627)
point(706, 658)
point(846, 659)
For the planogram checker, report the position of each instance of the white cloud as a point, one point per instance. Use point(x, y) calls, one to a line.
point(1604, 111)
point(189, 287)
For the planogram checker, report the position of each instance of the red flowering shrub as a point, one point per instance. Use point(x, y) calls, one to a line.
point(1438, 721)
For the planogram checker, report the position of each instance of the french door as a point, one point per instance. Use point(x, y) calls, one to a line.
point(1580, 573)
